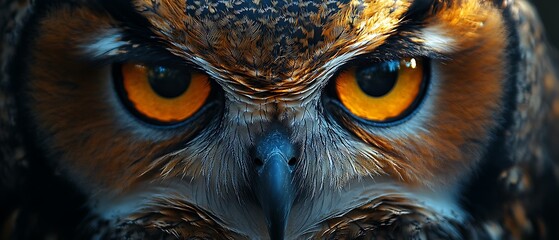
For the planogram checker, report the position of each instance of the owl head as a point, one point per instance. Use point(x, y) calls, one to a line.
point(274, 119)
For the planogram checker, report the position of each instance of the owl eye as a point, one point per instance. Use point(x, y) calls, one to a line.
point(163, 94)
point(382, 92)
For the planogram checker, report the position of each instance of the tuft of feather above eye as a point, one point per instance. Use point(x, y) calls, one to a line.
point(107, 43)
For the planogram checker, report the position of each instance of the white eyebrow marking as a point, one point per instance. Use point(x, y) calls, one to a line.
point(435, 38)
point(108, 43)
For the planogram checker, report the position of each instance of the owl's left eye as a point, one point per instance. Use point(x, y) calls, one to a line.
point(382, 92)
point(163, 94)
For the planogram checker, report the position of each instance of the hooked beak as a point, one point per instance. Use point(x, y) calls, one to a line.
point(274, 180)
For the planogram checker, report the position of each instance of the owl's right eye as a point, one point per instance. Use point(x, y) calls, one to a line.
point(162, 94)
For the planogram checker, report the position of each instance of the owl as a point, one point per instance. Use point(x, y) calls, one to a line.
point(258, 119)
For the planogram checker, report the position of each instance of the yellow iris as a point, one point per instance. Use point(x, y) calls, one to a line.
point(381, 92)
point(163, 94)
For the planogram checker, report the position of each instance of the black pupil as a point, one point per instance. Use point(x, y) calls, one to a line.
point(379, 79)
point(169, 82)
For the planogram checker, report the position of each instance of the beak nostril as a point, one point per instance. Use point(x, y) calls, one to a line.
point(258, 162)
point(292, 162)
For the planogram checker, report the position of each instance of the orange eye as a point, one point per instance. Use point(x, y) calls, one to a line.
point(164, 94)
point(381, 92)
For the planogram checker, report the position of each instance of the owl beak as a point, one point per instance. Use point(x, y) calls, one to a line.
point(274, 175)
point(275, 194)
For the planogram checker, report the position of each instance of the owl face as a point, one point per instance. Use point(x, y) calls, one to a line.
point(266, 116)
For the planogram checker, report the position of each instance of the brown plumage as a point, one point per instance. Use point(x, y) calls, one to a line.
point(473, 157)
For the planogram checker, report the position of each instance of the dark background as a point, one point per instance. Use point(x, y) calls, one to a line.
point(549, 12)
